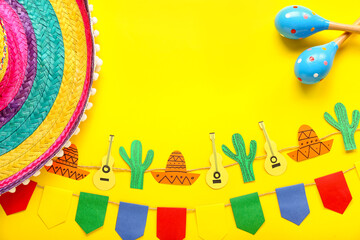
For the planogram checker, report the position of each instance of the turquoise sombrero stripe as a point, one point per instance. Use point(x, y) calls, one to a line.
point(51, 56)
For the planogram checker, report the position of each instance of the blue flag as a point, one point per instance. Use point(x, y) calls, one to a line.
point(293, 203)
point(131, 220)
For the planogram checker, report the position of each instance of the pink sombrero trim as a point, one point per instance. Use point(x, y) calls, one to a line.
point(17, 47)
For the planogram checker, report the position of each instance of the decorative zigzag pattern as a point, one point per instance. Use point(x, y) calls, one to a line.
point(66, 172)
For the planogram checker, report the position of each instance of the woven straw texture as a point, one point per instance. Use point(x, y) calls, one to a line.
point(66, 99)
point(23, 124)
point(4, 56)
point(17, 46)
point(14, 106)
point(30, 169)
point(35, 143)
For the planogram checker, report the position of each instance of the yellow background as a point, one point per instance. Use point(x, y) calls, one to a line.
point(175, 70)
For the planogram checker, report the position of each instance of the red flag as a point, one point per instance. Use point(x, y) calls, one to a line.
point(17, 201)
point(171, 223)
point(334, 192)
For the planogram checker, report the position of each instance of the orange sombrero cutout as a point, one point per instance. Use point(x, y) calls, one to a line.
point(175, 172)
point(66, 165)
point(310, 145)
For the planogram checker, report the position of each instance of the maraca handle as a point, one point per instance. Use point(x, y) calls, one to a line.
point(346, 35)
point(344, 27)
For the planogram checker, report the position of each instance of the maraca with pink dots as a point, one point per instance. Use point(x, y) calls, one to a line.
point(314, 64)
point(297, 22)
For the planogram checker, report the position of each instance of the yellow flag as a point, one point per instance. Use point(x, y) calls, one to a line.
point(54, 206)
point(211, 222)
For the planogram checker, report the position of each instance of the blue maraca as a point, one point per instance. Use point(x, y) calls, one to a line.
point(297, 22)
point(314, 64)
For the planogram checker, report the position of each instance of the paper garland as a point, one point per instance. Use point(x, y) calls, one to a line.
point(131, 220)
point(248, 213)
point(175, 172)
point(135, 163)
point(309, 145)
point(334, 192)
point(54, 206)
point(66, 165)
point(245, 161)
point(90, 214)
point(293, 203)
point(211, 222)
point(347, 130)
point(171, 223)
point(307, 149)
point(18, 201)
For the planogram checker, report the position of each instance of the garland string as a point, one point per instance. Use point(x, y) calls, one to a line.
point(206, 168)
point(226, 205)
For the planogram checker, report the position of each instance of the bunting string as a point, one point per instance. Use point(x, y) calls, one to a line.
point(226, 205)
point(207, 168)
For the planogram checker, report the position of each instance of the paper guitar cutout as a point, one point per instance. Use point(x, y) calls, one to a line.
point(275, 163)
point(66, 165)
point(309, 145)
point(217, 177)
point(175, 172)
point(104, 178)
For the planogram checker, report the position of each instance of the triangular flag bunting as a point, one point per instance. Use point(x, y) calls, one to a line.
point(131, 220)
point(211, 222)
point(248, 212)
point(293, 203)
point(334, 192)
point(54, 206)
point(91, 211)
point(19, 200)
point(171, 223)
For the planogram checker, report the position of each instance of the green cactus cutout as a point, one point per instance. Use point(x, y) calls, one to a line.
point(343, 125)
point(135, 163)
point(245, 161)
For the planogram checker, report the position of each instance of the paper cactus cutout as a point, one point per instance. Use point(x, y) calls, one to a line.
point(135, 163)
point(347, 130)
point(245, 161)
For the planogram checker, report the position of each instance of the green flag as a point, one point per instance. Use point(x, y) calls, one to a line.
point(90, 214)
point(248, 212)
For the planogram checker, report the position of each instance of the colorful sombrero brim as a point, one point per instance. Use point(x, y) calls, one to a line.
point(176, 178)
point(60, 89)
point(18, 51)
point(16, 103)
point(311, 151)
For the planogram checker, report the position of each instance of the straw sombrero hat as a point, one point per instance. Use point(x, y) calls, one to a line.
point(310, 145)
point(175, 172)
point(46, 79)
